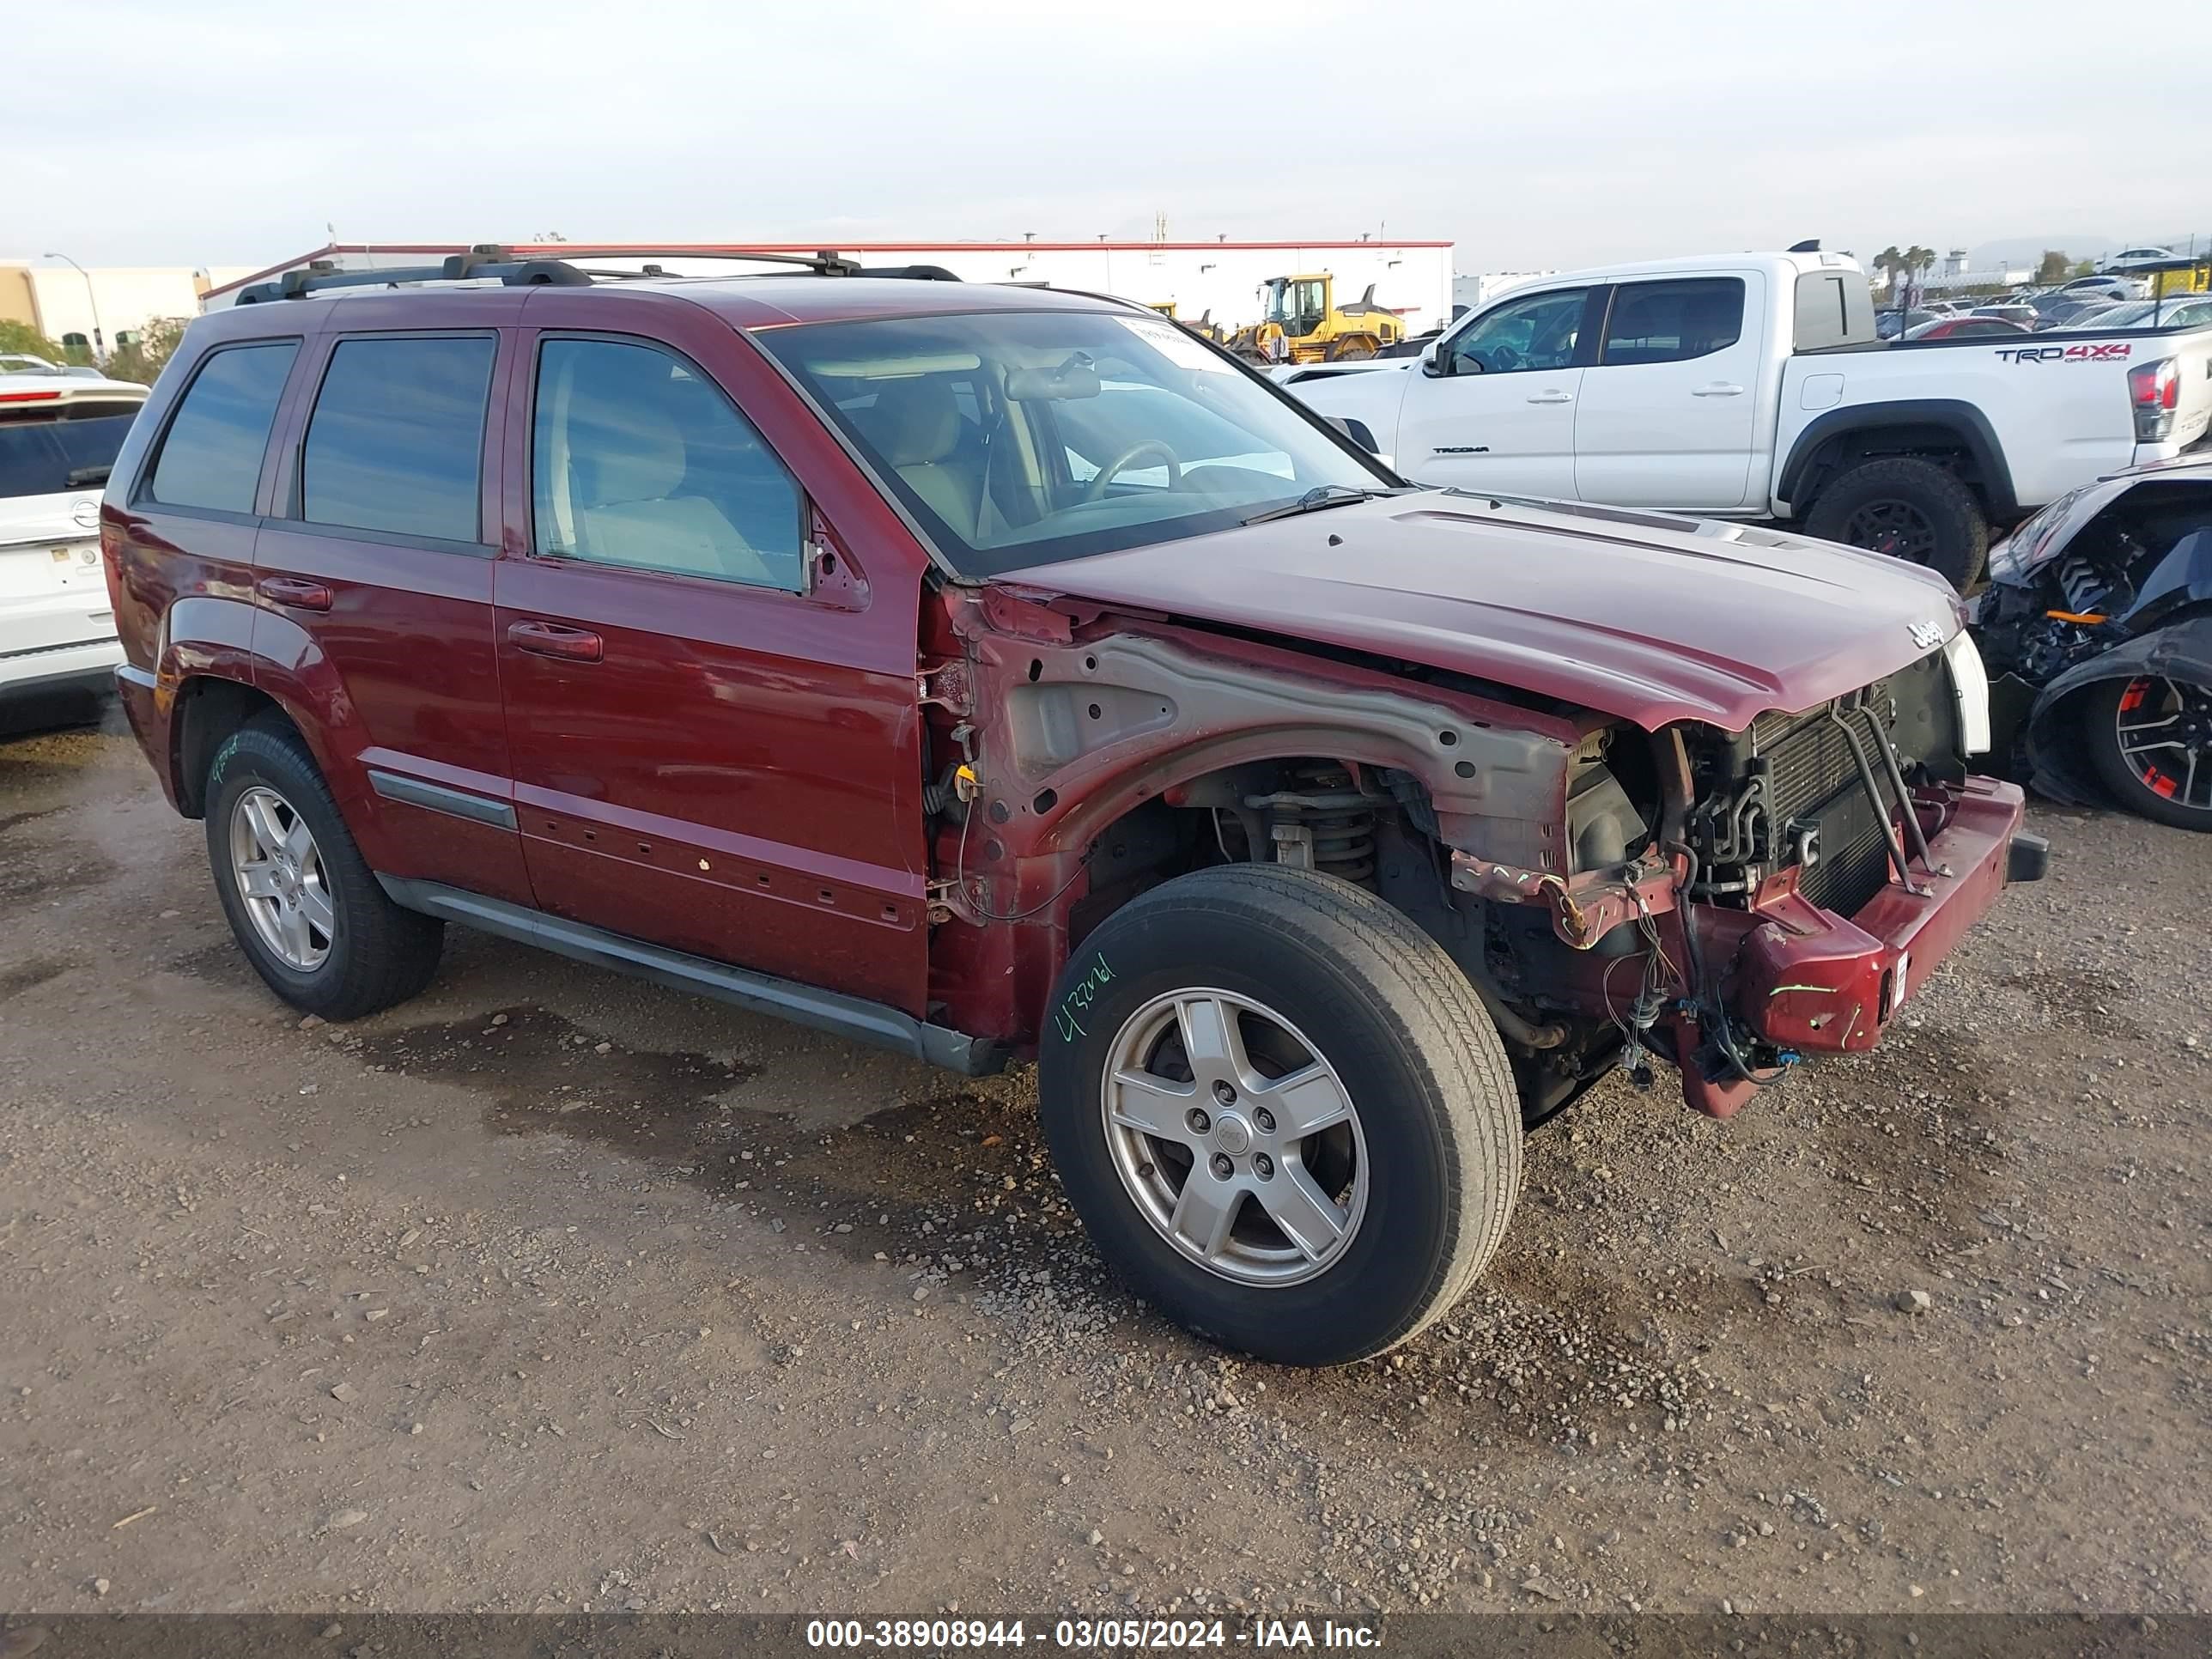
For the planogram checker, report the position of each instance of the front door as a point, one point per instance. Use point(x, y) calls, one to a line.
point(1669, 411)
point(712, 712)
point(1494, 408)
point(373, 583)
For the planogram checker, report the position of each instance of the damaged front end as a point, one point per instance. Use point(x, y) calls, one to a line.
point(2111, 582)
point(1724, 902)
point(1811, 871)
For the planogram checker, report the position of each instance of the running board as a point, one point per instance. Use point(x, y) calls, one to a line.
point(872, 1023)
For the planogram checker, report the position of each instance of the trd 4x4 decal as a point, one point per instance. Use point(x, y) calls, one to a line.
point(2101, 352)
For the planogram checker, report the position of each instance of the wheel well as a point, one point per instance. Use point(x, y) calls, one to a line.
point(1942, 445)
point(1374, 826)
point(208, 711)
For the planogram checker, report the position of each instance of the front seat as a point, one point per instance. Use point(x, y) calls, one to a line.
point(626, 515)
point(915, 428)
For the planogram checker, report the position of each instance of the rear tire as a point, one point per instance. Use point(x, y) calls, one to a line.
point(1909, 509)
point(1313, 976)
point(310, 917)
point(2158, 784)
point(1347, 351)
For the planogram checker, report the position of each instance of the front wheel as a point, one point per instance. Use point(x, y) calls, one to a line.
point(1281, 1111)
point(2150, 739)
point(1910, 509)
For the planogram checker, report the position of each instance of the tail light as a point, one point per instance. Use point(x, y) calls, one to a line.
point(2155, 389)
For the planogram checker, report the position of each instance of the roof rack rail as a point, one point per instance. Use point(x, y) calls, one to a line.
point(488, 262)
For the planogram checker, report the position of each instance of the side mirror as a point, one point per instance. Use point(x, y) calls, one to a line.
point(1435, 363)
point(1342, 426)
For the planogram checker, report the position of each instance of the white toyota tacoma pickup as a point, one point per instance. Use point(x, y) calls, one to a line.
point(1752, 386)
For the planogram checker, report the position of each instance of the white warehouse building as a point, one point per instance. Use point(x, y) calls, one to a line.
point(1414, 279)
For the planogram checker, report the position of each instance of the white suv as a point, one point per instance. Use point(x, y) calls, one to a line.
point(59, 431)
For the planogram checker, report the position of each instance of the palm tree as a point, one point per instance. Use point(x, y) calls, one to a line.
point(1889, 261)
point(1918, 258)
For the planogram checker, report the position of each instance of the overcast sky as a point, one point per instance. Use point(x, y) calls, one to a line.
point(218, 132)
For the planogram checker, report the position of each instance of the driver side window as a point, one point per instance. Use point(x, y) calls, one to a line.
point(1536, 331)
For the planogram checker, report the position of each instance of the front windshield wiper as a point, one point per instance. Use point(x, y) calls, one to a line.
point(1315, 499)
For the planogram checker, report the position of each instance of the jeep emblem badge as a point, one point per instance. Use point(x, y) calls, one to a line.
point(1927, 635)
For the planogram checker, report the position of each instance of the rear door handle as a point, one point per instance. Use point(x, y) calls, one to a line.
point(543, 639)
point(1717, 389)
point(1551, 396)
point(293, 593)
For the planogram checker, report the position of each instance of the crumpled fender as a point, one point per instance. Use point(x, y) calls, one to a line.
point(2182, 650)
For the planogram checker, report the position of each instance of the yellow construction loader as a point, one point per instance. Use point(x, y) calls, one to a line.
point(1301, 323)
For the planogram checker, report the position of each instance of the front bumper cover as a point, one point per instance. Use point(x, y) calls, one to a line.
point(1812, 981)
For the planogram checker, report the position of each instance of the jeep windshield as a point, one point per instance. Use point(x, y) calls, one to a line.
point(1017, 439)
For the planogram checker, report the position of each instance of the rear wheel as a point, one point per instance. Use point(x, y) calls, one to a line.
point(305, 907)
point(1353, 350)
point(1281, 1111)
point(2150, 739)
point(1910, 509)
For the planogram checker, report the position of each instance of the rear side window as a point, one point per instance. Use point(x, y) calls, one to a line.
point(396, 442)
point(1834, 308)
point(211, 457)
point(1673, 322)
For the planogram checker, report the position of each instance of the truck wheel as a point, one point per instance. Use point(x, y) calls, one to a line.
point(2150, 739)
point(1281, 1111)
point(308, 912)
point(1352, 351)
point(1910, 509)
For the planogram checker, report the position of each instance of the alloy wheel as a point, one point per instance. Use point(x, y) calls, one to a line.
point(2164, 729)
point(1896, 528)
point(1235, 1139)
point(279, 872)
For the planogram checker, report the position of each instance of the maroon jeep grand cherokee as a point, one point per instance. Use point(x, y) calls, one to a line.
point(988, 672)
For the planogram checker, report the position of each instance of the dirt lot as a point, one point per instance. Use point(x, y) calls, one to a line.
point(554, 1290)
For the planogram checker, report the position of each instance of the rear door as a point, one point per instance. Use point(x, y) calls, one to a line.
point(1669, 411)
point(373, 580)
point(1494, 407)
point(710, 682)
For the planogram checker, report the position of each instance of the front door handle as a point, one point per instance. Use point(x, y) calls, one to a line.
point(1718, 389)
point(293, 593)
point(1551, 396)
point(543, 639)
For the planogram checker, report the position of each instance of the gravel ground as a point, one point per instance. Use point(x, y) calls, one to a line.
point(553, 1290)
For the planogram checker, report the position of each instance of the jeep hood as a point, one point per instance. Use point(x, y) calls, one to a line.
point(1642, 617)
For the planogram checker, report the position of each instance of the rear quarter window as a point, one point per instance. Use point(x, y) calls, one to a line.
point(210, 456)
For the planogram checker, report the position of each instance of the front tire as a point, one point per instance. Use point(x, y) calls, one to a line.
point(1911, 509)
point(305, 909)
point(1281, 1111)
point(2150, 739)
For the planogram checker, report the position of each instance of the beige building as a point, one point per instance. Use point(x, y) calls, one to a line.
point(109, 303)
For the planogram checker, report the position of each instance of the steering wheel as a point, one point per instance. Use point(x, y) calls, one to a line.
point(1097, 489)
point(1504, 360)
